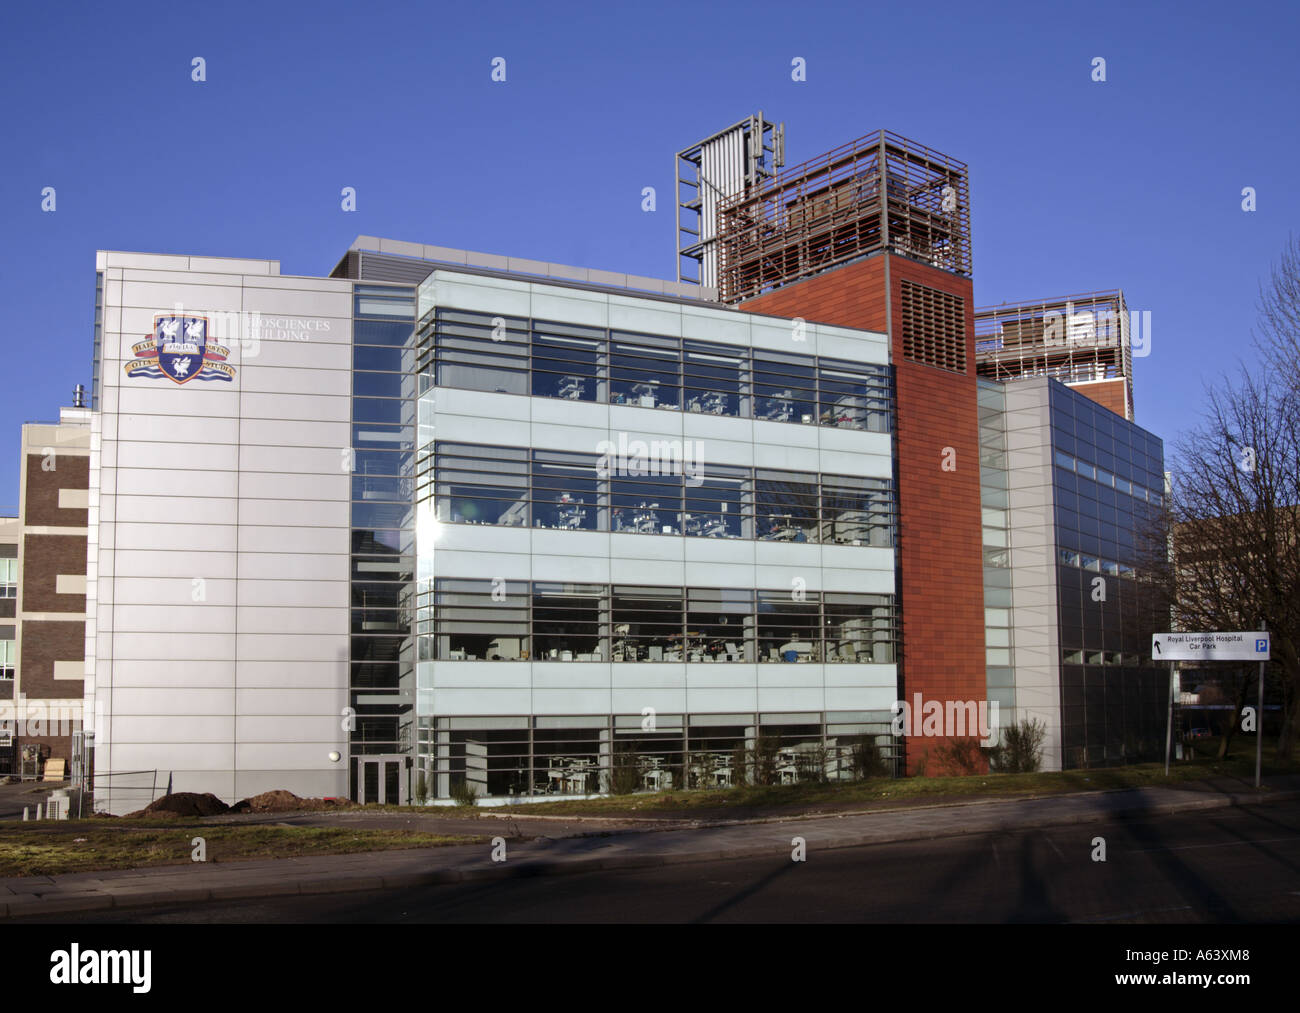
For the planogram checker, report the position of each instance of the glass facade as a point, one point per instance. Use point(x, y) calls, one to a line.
point(513, 355)
point(1107, 477)
point(587, 623)
point(562, 490)
point(996, 527)
point(576, 755)
point(497, 620)
point(382, 464)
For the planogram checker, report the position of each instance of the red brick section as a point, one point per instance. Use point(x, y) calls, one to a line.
point(45, 557)
point(44, 643)
point(1107, 393)
point(940, 557)
point(42, 502)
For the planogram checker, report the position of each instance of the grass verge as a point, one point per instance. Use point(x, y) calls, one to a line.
point(758, 800)
point(47, 849)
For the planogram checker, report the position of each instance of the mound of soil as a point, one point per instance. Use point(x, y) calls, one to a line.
point(280, 801)
point(184, 803)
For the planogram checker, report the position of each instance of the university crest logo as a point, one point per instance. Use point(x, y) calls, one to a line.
point(179, 349)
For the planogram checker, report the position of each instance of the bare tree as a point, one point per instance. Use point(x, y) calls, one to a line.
point(1233, 513)
point(1277, 333)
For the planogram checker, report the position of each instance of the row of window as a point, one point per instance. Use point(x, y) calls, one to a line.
point(1081, 657)
point(464, 620)
point(516, 487)
point(1104, 478)
point(559, 756)
point(1084, 561)
point(516, 356)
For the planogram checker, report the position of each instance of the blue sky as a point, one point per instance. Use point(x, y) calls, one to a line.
point(1075, 185)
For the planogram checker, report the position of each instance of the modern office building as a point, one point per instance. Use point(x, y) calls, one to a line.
point(446, 521)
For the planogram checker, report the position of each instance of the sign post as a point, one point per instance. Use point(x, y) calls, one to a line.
point(1169, 716)
point(1237, 646)
point(1259, 724)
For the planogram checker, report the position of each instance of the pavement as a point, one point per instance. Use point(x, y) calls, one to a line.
point(613, 848)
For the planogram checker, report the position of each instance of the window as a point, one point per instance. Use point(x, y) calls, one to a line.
point(382, 515)
point(784, 388)
point(718, 503)
point(478, 351)
point(380, 591)
point(567, 362)
point(6, 659)
point(392, 360)
point(646, 624)
point(382, 437)
point(568, 622)
point(716, 378)
point(567, 492)
point(860, 628)
point(382, 487)
point(719, 624)
point(384, 301)
point(481, 620)
point(785, 505)
point(377, 385)
point(376, 332)
point(8, 578)
point(482, 485)
point(474, 353)
point(645, 370)
point(853, 397)
point(857, 511)
point(788, 629)
point(467, 620)
point(646, 504)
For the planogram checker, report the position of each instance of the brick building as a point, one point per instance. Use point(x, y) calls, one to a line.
point(44, 703)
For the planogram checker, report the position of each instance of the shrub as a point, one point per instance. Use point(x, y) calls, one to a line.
point(810, 765)
point(626, 773)
point(1021, 749)
point(464, 793)
point(866, 761)
point(961, 756)
point(764, 759)
point(739, 764)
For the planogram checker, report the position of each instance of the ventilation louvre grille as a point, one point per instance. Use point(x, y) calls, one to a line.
point(934, 327)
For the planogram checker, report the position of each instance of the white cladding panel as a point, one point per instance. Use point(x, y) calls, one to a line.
point(220, 639)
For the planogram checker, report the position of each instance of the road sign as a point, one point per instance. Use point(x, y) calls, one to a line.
point(1247, 646)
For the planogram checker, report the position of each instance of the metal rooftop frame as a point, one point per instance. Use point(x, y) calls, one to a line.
point(1075, 339)
point(879, 192)
point(731, 161)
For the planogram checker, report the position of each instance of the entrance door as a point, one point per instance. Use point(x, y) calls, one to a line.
point(381, 779)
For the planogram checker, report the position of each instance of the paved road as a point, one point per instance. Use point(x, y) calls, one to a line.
point(1229, 865)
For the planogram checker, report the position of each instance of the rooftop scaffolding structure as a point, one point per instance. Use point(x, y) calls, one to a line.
point(1077, 339)
point(732, 161)
point(880, 192)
